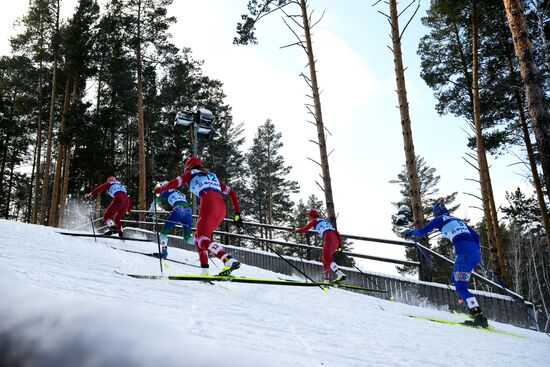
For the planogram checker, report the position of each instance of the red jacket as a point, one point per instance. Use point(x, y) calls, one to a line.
point(185, 178)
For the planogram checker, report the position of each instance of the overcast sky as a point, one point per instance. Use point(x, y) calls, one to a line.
point(359, 103)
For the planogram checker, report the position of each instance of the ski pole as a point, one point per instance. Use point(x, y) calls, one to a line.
point(301, 257)
point(93, 228)
point(281, 256)
point(367, 276)
point(426, 257)
point(158, 236)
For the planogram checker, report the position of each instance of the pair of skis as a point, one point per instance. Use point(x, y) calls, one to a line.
point(103, 236)
point(489, 329)
point(233, 279)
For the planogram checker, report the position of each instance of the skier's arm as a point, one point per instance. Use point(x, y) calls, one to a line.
point(176, 182)
point(434, 223)
point(158, 198)
point(103, 186)
point(307, 227)
point(474, 234)
point(226, 190)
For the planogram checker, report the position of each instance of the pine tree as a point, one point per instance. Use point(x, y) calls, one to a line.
point(429, 193)
point(528, 256)
point(147, 22)
point(268, 196)
point(246, 35)
point(533, 83)
point(17, 108)
point(458, 61)
point(77, 42)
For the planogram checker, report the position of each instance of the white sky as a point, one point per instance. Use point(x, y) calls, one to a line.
point(356, 75)
point(63, 305)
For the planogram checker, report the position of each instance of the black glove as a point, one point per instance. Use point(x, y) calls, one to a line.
point(238, 220)
point(148, 216)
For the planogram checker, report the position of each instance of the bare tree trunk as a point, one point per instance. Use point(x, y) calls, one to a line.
point(408, 143)
point(530, 153)
point(496, 256)
point(269, 192)
point(533, 165)
point(325, 169)
point(537, 279)
point(31, 181)
point(10, 181)
point(140, 118)
point(65, 185)
point(53, 220)
point(67, 160)
point(532, 79)
point(46, 179)
point(541, 20)
point(38, 152)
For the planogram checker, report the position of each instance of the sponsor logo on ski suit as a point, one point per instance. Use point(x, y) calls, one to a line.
point(322, 226)
point(175, 196)
point(201, 182)
point(116, 187)
point(455, 227)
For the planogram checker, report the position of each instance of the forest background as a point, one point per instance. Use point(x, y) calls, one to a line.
point(258, 99)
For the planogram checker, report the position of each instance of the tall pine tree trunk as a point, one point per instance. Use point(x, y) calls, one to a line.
point(53, 220)
point(408, 144)
point(325, 169)
point(532, 79)
point(529, 146)
point(46, 178)
point(489, 209)
point(67, 159)
point(532, 163)
point(10, 181)
point(65, 184)
point(38, 152)
point(140, 118)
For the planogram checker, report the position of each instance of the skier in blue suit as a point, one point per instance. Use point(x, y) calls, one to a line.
point(468, 255)
point(181, 213)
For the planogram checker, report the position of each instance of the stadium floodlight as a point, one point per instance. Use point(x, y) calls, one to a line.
point(200, 120)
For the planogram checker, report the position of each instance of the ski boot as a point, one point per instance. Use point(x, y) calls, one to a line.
point(340, 276)
point(230, 265)
point(110, 231)
point(479, 319)
point(163, 251)
point(111, 228)
point(204, 270)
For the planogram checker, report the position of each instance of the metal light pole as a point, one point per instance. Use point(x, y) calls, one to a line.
point(200, 122)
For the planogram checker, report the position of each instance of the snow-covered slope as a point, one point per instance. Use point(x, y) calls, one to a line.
point(62, 304)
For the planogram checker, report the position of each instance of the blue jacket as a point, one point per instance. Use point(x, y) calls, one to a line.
point(464, 238)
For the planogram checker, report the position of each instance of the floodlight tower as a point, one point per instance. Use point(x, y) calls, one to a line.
point(199, 121)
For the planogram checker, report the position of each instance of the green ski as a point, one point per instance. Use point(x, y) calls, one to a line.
point(219, 278)
point(490, 329)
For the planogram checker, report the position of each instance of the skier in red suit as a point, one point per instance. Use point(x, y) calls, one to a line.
point(209, 189)
point(120, 205)
point(331, 242)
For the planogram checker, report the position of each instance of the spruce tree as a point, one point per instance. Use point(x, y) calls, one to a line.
point(268, 198)
point(429, 193)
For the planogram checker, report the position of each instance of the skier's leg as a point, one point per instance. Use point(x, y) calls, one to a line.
point(464, 264)
point(331, 243)
point(187, 221)
point(110, 213)
point(121, 205)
